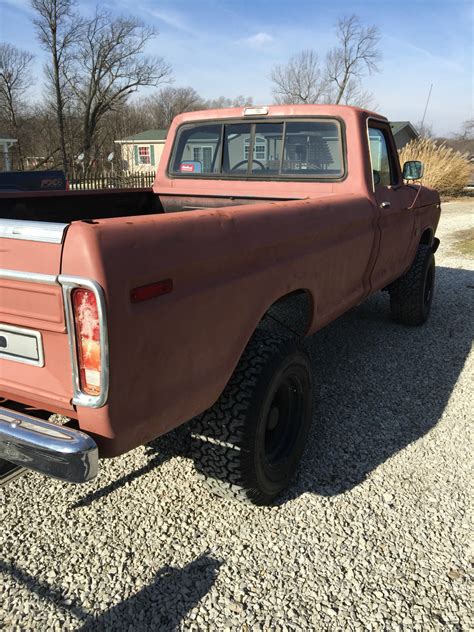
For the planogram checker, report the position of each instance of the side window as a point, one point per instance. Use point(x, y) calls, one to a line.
point(379, 156)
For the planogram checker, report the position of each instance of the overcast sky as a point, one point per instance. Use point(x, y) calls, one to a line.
point(228, 47)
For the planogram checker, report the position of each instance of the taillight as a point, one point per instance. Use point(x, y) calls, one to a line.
point(86, 318)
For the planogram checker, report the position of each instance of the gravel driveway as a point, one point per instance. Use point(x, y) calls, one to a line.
point(374, 533)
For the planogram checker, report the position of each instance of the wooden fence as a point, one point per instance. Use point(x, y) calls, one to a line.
point(123, 180)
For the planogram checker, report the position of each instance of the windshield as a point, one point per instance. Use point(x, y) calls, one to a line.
point(308, 148)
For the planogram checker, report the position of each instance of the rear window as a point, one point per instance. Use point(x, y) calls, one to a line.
point(198, 150)
point(309, 148)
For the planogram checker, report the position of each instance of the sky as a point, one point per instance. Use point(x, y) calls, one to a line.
point(228, 47)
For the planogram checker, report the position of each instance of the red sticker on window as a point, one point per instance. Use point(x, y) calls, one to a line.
point(188, 167)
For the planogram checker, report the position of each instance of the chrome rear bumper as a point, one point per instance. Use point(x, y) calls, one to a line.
point(56, 451)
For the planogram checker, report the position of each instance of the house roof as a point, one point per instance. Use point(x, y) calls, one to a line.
point(150, 136)
point(397, 126)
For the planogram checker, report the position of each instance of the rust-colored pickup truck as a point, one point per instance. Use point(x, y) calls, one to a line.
point(132, 312)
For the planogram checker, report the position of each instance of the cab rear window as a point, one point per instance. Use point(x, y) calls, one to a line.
point(286, 149)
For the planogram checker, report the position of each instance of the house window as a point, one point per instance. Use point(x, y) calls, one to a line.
point(259, 151)
point(144, 155)
point(203, 155)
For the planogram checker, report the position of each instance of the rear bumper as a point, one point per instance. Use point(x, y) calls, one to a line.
point(56, 451)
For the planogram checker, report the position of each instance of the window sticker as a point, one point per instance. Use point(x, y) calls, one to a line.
point(191, 166)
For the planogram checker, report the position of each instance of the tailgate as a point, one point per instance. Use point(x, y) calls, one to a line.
point(35, 365)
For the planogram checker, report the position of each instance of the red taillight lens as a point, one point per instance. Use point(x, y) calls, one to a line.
point(86, 317)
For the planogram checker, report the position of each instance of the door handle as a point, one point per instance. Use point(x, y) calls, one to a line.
point(385, 205)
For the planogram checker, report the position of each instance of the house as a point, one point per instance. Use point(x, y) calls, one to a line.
point(142, 151)
point(403, 132)
point(6, 143)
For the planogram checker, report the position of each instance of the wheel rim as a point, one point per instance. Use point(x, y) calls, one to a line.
point(428, 293)
point(283, 419)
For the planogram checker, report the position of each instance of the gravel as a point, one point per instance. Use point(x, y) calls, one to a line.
point(373, 535)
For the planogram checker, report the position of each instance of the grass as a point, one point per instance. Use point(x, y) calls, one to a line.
point(464, 244)
point(446, 170)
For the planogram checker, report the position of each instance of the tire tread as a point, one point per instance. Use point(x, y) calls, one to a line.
point(219, 435)
point(406, 293)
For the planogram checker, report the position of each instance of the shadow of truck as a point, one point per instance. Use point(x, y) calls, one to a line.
point(381, 386)
point(160, 605)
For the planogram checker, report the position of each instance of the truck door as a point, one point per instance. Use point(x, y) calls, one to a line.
point(393, 198)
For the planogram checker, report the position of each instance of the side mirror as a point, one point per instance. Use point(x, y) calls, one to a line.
point(413, 170)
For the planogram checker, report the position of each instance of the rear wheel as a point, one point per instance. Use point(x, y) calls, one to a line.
point(412, 294)
point(248, 445)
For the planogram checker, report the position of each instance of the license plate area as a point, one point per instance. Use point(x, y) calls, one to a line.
point(21, 345)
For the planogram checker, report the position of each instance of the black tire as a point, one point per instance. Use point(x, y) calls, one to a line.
point(248, 445)
point(411, 295)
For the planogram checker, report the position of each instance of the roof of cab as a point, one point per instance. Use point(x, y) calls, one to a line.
point(264, 111)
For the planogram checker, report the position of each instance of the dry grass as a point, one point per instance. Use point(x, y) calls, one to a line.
point(446, 170)
point(464, 243)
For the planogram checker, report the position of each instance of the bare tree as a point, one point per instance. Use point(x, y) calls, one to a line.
point(300, 80)
point(462, 141)
point(356, 54)
point(171, 101)
point(161, 108)
point(425, 130)
point(467, 132)
point(130, 118)
point(227, 102)
point(59, 28)
point(109, 66)
point(303, 80)
point(355, 94)
point(14, 80)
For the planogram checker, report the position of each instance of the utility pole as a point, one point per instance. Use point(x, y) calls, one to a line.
point(426, 107)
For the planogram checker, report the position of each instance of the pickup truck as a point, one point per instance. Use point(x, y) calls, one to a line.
point(129, 313)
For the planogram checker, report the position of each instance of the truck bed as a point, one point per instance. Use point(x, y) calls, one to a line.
point(69, 206)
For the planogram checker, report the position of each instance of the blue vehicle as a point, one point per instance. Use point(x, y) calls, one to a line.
point(33, 181)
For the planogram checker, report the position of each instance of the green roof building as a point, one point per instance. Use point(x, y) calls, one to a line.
point(403, 132)
point(142, 151)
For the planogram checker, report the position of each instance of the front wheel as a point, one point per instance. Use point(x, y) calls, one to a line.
point(249, 444)
point(412, 294)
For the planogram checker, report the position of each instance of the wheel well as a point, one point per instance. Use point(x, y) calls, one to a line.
point(427, 237)
point(292, 312)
